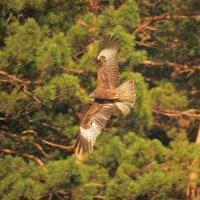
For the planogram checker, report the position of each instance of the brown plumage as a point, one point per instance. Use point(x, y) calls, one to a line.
point(107, 95)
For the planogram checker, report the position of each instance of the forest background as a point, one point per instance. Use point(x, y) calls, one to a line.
point(47, 70)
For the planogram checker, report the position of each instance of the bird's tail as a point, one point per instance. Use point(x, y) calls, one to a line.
point(127, 97)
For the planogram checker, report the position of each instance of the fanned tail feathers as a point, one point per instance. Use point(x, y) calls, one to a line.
point(127, 97)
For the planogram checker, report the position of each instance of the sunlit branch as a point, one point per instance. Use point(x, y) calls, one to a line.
point(195, 113)
point(48, 142)
point(13, 78)
point(25, 139)
point(180, 68)
point(29, 156)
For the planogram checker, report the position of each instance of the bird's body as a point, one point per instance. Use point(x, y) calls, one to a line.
point(104, 94)
point(108, 95)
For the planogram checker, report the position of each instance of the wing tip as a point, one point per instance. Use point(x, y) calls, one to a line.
point(109, 41)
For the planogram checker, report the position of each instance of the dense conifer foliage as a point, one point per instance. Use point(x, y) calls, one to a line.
point(47, 69)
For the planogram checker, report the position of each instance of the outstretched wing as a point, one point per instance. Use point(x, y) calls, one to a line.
point(107, 63)
point(93, 122)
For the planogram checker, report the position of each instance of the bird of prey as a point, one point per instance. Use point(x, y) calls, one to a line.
point(108, 95)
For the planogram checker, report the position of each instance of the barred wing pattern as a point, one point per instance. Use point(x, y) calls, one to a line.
point(94, 121)
point(108, 61)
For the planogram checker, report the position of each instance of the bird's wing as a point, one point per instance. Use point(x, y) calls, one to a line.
point(93, 122)
point(107, 63)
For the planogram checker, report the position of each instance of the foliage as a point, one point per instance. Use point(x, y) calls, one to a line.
point(165, 96)
point(47, 69)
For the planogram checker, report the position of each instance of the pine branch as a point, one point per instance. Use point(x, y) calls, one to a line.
point(31, 95)
point(99, 197)
point(53, 127)
point(3, 119)
point(150, 44)
point(94, 185)
point(195, 113)
point(57, 145)
point(161, 125)
point(29, 156)
point(15, 79)
point(171, 16)
point(25, 139)
point(166, 16)
point(180, 68)
point(48, 142)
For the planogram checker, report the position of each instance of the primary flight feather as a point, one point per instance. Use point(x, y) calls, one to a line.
point(108, 95)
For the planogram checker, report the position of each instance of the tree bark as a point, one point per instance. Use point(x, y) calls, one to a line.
point(193, 192)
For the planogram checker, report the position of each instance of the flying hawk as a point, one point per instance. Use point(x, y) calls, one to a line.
point(108, 95)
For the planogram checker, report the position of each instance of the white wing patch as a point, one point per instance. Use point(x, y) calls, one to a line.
point(90, 134)
point(87, 136)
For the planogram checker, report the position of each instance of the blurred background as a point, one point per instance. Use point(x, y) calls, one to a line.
point(47, 70)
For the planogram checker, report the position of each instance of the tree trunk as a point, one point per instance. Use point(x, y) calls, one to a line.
point(193, 191)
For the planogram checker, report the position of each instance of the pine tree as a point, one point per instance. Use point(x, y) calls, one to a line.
point(47, 70)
